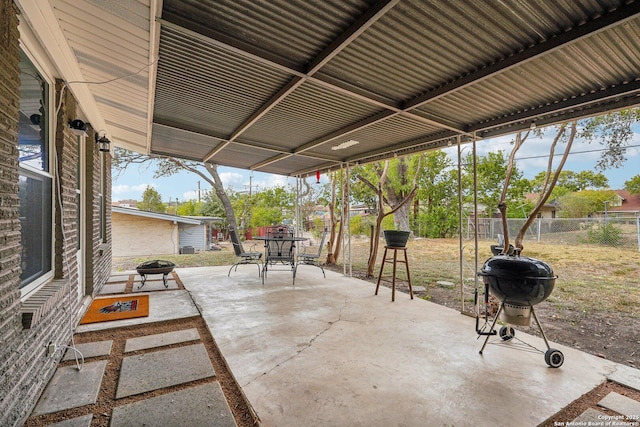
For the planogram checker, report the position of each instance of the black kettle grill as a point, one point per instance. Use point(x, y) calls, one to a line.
point(518, 279)
point(518, 282)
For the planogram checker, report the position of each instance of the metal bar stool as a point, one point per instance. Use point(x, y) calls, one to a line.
point(395, 261)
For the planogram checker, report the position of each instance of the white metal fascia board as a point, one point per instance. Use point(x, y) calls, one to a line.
point(155, 215)
point(155, 11)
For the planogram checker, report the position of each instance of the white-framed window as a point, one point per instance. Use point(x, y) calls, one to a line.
point(35, 188)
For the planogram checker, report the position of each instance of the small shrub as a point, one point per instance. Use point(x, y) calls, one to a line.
point(605, 234)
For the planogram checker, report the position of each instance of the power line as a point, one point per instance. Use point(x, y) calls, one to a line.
point(571, 154)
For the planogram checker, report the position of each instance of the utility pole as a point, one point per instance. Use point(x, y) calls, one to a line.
point(250, 186)
point(243, 219)
point(198, 191)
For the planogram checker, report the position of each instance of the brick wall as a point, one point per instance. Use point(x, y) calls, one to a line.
point(25, 367)
point(10, 324)
point(66, 224)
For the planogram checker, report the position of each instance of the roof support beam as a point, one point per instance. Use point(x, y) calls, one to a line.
point(405, 147)
point(373, 14)
point(593, 103)
point(588, 29)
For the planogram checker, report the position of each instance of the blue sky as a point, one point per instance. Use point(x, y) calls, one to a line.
point(184, 186)
point(532, 158)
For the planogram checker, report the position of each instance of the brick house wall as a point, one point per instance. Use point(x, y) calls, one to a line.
point(25, 366)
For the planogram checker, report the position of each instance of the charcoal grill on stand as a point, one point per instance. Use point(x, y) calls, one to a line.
point(519, 283)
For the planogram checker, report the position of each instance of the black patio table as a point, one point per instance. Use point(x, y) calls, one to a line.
point(279, 249)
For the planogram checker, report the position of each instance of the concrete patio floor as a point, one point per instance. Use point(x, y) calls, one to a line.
point(327, 352)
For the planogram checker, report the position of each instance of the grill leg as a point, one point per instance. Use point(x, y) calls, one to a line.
point(544, 337)
point(495, 319)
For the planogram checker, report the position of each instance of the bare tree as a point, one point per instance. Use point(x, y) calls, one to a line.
point(167, 166)
point(613, 131)
point(333, 243)
point(386, 206)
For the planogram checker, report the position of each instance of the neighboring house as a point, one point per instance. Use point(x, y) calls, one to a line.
point(203, 236)
point(127, 203)
point(624, 205)
point(548, 210)
point(143, 233)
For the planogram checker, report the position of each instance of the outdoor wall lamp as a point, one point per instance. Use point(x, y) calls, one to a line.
point(78, 127)
point(103, 143)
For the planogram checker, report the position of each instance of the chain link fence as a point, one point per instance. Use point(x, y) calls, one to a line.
point(621, 231)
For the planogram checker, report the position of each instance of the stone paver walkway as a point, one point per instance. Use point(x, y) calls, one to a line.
point(151, 365)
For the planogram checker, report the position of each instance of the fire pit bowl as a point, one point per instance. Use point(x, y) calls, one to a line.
point(518, 279)
point(155, 267)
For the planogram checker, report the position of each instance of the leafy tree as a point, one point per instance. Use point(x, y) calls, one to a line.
point(211, 205)
point(307, 201)
point(569, 181)
point(491, 172)
point(242, 203)
point(151, 201)
point(590, 180)
point(337, 187)
point(272, 206)
point(614, 131)
point(583, 203)
point(188, 208)
point(398, 178)
point(566, 132)
point(633, 185)
point(395, 184)
point(436, 205)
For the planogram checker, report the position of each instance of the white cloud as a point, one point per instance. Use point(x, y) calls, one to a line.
point(232, 179)
point(190, 195)
point(126, 188)
point(272, 181)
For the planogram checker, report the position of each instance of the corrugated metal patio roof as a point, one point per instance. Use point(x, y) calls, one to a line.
point(277, 86)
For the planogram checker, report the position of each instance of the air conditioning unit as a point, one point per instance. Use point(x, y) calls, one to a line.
point(187, 250)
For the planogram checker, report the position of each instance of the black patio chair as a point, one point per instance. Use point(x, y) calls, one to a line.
point(251, 257)
point(312, 258)
point(279, 250)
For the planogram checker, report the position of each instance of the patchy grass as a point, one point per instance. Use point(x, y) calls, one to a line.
point(590, 278)
point(203, 259)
